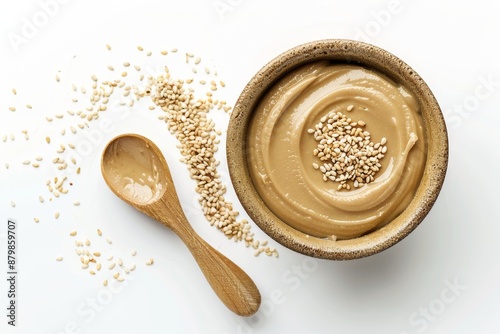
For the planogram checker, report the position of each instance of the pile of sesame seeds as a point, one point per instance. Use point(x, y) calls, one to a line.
point(346, 153)
point(187, 118)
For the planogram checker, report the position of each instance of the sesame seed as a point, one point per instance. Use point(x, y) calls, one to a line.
point(140, 48)
point(59, 258)
point(134, 253)
point(14, 91)
point(149, 262)
point(108, 47)
point(73, 233)
point(56, 215)
point(76, 203)
point(105, 282)
point(36, 220)
point(99, 232)
point(13, 204)
point(164, 52)
point(12, 109)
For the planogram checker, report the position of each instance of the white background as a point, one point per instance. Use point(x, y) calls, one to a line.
point(443, 278)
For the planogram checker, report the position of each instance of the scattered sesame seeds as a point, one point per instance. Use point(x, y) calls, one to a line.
point(186, 117)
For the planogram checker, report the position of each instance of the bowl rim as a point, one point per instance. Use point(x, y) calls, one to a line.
point(352, 52)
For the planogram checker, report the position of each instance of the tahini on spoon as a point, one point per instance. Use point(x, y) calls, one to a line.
point(136, 171)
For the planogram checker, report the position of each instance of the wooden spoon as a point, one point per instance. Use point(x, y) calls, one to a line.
point(137, 172)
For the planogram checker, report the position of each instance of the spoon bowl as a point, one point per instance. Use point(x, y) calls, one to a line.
point(134, 168)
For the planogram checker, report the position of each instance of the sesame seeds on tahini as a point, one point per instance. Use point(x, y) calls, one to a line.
point(345, 149)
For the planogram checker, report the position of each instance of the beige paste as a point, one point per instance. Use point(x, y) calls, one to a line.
point(280, 149)
point(134, 170)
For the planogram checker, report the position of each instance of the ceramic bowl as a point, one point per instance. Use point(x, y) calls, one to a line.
point(351, 52)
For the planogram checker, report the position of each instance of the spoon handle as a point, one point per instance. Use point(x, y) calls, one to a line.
point(231, 284)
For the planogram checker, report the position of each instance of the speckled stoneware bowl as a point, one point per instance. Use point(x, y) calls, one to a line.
point(352, 52)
